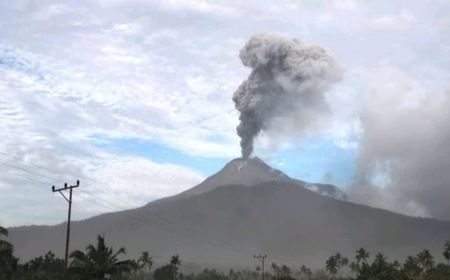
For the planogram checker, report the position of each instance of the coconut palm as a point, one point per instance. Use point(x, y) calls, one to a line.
point(306, 272)
point(380, 263)
point(144, 263)
point(446, 253)
point(343, 261)
point(5, 246)
point(99, 262)
point(332, 266)
point(168, 271)
point(8, 262)
point(3, 231)
point(426, 260)
point(361, 256)
point(411, 267)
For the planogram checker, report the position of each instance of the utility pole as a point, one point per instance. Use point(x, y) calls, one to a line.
point(262, 259)
point(69, 200)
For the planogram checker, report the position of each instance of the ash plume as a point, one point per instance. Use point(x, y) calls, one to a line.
point(285, 89)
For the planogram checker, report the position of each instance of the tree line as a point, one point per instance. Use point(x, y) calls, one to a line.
point(99, 262)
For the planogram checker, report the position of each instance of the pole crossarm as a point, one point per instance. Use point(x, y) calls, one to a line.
point(66, 187)
point(262, 259)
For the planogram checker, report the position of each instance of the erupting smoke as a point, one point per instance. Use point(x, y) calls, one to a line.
point(286, 84)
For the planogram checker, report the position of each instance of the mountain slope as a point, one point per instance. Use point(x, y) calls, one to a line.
point(228, 224)
point(254, 171)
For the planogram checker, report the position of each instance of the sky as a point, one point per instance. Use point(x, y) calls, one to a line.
point(133, 98)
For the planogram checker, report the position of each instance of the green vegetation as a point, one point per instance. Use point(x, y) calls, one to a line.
point(8, 263)
point(99, 262)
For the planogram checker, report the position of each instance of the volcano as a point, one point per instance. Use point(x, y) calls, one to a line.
point(244, 209)
point(252, 172)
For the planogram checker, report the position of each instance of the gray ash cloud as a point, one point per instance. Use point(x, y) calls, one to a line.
point(285, 89)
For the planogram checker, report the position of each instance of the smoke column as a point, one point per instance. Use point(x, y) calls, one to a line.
point(285, 87)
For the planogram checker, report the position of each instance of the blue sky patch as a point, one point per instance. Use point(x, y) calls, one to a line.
point(311, 161)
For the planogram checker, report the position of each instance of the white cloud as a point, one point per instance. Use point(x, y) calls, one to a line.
point(164, 71)
point(108, 183)
point(129, 182)
point(401, 21)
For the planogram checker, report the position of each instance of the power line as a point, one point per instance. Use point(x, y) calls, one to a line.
point(162, 223)
point(28, 163)
point(157, 218)
point(144, 218)
point(27, 178)
point(168, 226)
point(149, 219)
point(31, 172)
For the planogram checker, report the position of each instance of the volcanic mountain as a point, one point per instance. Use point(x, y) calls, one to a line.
point(252, 172)
point(245, 209)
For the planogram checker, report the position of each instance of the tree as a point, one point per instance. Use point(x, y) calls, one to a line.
point(381, 269)
point(446, 253)
point(332, 265)
point(380, 263)
point(305, 272)
point(411, 267)
point(145, 261)
point(8, 263)
point(168, 271)
point(210, 274)
point(335, 263)
point(99, 262)
point(361, 256)
point(142, 265)
point(426, 260)
point(281, 272)
point(5, 246)
point(47, 267)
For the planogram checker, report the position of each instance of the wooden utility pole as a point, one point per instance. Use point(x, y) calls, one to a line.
point(262, 259)
point(69, 200)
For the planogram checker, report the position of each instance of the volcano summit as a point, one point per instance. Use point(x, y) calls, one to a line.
point(254, 171)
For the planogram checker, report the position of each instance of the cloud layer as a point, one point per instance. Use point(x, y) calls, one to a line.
point(79, 73)
point(403, 159)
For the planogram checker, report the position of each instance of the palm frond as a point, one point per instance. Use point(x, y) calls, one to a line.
point(79, 256)
point(5, 246)
point(3, 231)
point(120, 252)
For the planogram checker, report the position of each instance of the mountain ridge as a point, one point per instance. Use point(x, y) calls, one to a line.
point(253, 171)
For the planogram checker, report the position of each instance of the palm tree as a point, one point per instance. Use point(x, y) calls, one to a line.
point(99, 261)
point(411, 267)
point(8, 262)
point(332, 265)
point(361, 256)
point(380, 263)
point(168, 271)
point(446, 253)
point(426, 260)
point(306, 272)
point(361, 260)
point(343, 262)
point(145, 260)
point(3, 231)
point(5, 246)
point(175, 261)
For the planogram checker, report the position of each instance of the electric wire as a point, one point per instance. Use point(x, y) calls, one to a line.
point(162, 223)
